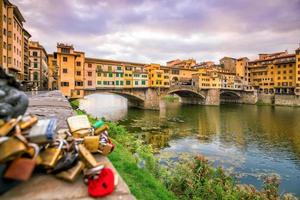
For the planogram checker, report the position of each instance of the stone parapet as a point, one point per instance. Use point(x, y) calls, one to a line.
point(47, 187)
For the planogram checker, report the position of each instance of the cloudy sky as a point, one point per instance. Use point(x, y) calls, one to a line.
point(161, 30)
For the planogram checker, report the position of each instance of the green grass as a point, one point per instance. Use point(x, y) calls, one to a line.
point(141, 183)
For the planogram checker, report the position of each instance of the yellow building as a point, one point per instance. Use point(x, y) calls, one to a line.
point(26, 60)
point(52, 72)
point(12, 39)
point(38, 68)
point(156, 75)
point(70, 72)
point(182, 64)
point(297, 72)
point(241, 69)
point(274, 73)
point(214, 78)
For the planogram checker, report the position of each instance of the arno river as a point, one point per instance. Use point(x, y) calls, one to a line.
point(248, 140)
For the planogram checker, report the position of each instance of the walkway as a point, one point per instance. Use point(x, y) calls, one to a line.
point(47, 187)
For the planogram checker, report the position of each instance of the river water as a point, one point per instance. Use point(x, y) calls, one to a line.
point(248, 140)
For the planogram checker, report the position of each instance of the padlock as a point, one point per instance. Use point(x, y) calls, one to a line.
point(91, 143)
point(51, 155)
point(67, 161)
point(72, 173)
point(31, 153)
point(98, 124)
point(9, 126)
point(82, 133)
point(99, 130)
point(6, 184)
point(103, 185)
point(2, 122)
point(106, 148)
point(12, 148)
point(86, 156)
point(21, 168)
point(28, 121)
point(43, 131)
point(78, 122)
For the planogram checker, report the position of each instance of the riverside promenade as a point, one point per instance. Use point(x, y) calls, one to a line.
point(47, 187)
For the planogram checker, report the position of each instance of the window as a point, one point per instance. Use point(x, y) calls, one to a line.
point(78, 83)
point(65, 59)
point(89, 73)
point(78, 73)
point(4, 59)
point(89, 65)
point(109, 68)
point(64, 84)
point(121, 82)
point(9, 60)
point(117, 82)
point(90, 83)
point(143, 82)
point(4, 45)
point(119, 68)
point(98, 82)
point(9, 20)
point(34, 53)
point(65, 50)
point(35, 65)
point(127, 82)
point(35, 76)
point(78, 92)
point(110, 74)
point(65, 70)
point(136, 82)
point(4, 31)
point(78, 63)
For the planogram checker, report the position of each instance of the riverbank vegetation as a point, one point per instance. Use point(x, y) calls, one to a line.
point(188, 179)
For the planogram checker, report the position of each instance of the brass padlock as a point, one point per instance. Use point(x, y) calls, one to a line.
point(9, 126)
point(51, 155)
point(91, 143)
point(21, 168)
point(86, 156)
point(99, 130)
point(28, 122)
point(78, 122)
point(81, 133)
point(105, 149)
point(72, 173)
point(12, 148)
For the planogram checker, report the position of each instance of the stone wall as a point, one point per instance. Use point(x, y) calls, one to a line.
point(249, 98)
point(46, 186)
point(265, 99)
point(287, 100)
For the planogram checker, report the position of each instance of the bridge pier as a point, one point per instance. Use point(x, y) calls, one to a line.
point(212, 97)
point(152, 98)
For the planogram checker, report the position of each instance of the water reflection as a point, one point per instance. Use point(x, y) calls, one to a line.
point(249, 140)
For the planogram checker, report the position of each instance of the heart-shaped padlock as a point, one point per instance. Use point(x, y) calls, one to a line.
point(103, 185)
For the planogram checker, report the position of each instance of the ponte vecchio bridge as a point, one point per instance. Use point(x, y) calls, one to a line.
point(148, 98)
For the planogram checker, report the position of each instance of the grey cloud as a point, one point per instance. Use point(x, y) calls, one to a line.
point(257, 25)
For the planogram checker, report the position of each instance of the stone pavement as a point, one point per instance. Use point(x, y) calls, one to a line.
point(47, 187)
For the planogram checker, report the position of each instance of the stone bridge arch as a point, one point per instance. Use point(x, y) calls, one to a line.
point(229, 96)
point(188, 94)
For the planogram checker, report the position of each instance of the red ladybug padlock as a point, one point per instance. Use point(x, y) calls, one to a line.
point(103, 185)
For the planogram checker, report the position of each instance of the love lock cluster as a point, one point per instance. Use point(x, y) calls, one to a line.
point(28, 144)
